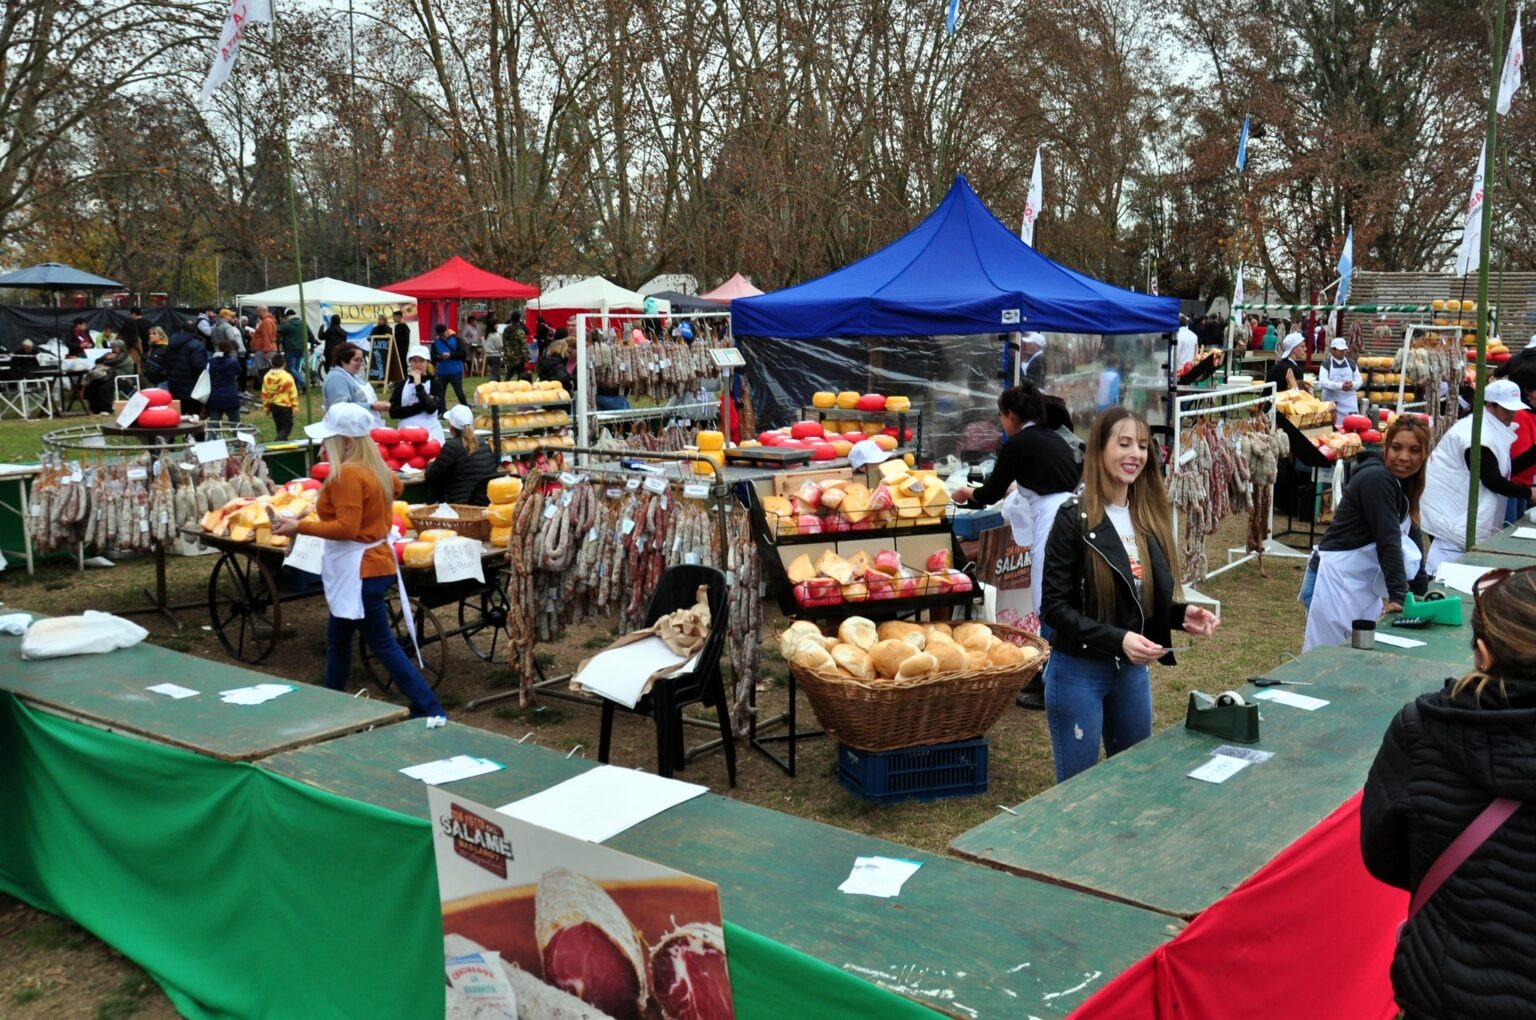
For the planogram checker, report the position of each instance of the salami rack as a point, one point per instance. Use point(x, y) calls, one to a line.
point(92, 445)
point(624, 469)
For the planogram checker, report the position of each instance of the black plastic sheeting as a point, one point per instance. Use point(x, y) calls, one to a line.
point(954, 380)
point(18, 323)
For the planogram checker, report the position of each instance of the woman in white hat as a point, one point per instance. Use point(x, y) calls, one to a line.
point(464, 466)
point(359, 567)
point(416, 401)
point(1339, 380)
point(1285, 373)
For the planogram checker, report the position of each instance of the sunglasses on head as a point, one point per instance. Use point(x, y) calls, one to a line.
point(1495, 577)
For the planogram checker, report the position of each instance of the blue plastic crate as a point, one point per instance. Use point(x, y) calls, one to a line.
point(933, 772)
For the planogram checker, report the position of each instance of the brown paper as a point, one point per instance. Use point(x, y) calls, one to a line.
point(683, 632)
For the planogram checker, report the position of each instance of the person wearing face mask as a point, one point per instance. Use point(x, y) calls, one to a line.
point(1339, 380)
point(1448, 478)
point(1373, 549)
point(1112, 597)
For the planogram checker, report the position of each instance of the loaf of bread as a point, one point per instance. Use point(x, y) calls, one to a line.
point(976, 637)
point(813, 655)
point(911, 633)
point(976, 660)
point(1004, 654)
point(947, 655)
point(888, 656)
point(943, 629)
point(859, 632)
point(917, 666)
point(794, 635)
point(855, 660)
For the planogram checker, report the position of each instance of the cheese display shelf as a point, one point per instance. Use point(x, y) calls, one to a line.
point(551, 431)
point(905, 422)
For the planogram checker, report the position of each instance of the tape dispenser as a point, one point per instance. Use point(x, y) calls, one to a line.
point(1228, 715)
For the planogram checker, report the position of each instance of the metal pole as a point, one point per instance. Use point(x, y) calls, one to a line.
point(293, 217)
point(1479, 381)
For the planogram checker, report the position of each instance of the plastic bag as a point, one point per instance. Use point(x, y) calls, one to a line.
point(90, 634)
point(203, 387)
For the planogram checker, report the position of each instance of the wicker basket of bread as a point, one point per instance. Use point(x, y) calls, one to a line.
point(897, 685)
point(467, 522)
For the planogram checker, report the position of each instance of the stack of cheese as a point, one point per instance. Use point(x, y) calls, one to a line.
point(503, 493)
point(904, 498)
point(419, 553)
point(852, 400)
point(527, 420)
point(833, 580)
point(521, 391)
point(711, 447)
point(247, 520)
point(898, 652)
point(1303, 409)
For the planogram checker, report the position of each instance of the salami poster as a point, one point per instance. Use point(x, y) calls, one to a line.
point(537, 923)
point(1002, 562)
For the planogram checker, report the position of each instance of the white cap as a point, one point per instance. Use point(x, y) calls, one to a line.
point(1530, 344)
point(353, 420)
point(867, 452)
point(418, 351)
point(1033, 337)
point(461, 416)
point(1339, 344)
point(1504, 393)
point(1290, 343)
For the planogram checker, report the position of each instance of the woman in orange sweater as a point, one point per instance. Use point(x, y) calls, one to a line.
point(359, 566)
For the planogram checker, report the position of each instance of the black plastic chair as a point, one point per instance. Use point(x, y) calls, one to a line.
point(678, 589)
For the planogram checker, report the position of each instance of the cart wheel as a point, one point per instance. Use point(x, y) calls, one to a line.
point(244, 607)
point(483, 618)
point(429, 634)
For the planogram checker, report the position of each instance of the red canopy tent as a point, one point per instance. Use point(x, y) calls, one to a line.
point(439, 291)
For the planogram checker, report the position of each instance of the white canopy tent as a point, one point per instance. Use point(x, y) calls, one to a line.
point(597, 294)
point(325, 296)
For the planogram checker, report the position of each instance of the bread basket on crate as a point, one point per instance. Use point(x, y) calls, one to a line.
point(471, 521)
point(938, 708)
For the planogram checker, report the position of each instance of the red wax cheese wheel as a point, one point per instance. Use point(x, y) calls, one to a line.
point(1356, 423)
point(870, 402)
point(392, 463)
point(770, 438)
point(402, 524)
point(419, 463)
point(158, 418)
point(320, 471)
point(308, 484)
point(806, 430)
point(1370, 436)
point(157, 398)
point(385, 437)
point(414, 435)
point(386, 451)
point(823, 451)
point(402, 451)
point(431, 448)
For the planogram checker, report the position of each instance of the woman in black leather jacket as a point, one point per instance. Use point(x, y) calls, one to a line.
point(1468, 951)
point(1111, 595)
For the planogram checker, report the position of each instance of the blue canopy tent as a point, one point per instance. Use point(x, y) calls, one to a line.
point(959, 271)
point(906, 320)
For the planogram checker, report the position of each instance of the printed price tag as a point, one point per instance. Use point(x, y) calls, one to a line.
point(165, 517)
point(613, 493)
point(134, 407)
point(592, 535)
point(137, 474)
point(655, 485)
point(457, 559)
point(35, 509)
point(306, 553)
point(550, 509)
point(666, 362)
point(213, 449)
point(696, 490)
point(691, 558)
point(567, 479)
point(143, 525)
point(632, 484)
point(627, 526)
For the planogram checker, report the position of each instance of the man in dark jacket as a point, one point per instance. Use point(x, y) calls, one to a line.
point(291, 337)
point(184, 364)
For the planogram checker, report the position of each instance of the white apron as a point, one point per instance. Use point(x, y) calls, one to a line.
point(1346, 401)
point(1350, 586)
point(373, 396)
point(426, 420)
point(341, 565)
point(1031, 515)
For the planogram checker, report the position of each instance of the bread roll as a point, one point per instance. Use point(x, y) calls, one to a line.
point(888, 656)
point(977, 660)
point(854, 660)
point(947, 655)
point(940, 628)
point(1004, 654)
point(976, 637)
point(859, 632)
point(794, 634)
point(916, 666)
point(813, 655)
point(911, 633)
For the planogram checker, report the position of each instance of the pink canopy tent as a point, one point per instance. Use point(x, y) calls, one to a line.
point(736, 287)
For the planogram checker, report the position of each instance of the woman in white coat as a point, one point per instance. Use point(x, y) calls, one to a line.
point(1371, 555)
point(1339, 380)
point(416, 401)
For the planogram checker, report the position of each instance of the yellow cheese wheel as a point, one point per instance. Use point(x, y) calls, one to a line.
point(898, 403)
point(848, 400)
point(501, 536)
point(825, 398)
point(504, 489)
point(713, 455)
point(418, 554)
point(500, 514)
point(435, 534)
point(711, 440)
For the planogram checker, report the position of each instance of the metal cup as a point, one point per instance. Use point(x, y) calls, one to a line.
point(1362, 634)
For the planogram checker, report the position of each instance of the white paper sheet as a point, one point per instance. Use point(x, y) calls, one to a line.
point(1219, 768)
point(1525, 532)
point(599, 804)
point(878, 876)
point(618, 674)
point(307, 553)
point(1398, 642)
point(174, 691)
point(254, 695)
point(448, 770)
point(1252, 755)
point(1292, 699)
point(1460, 576)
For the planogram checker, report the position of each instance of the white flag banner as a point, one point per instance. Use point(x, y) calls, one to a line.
point(1237, 293)
point(1469, 258)
point(1514, 60)
point(241, 14)
point(1032, 203)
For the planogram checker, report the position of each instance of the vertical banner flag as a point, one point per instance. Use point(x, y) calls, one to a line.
point(1469, 258)
point(1514, 60)
point(1346, 266)
point(241, 13)
point(1242, 146)
point(952, 17)
point(1032, 203)
point(1237, 293)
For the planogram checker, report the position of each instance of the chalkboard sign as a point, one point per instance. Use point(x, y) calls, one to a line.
point(378, 357)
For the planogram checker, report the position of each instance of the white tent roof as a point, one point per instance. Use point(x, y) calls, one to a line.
point(593, 292)
point(327, 291)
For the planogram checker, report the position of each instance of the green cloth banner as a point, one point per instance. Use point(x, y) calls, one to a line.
point(247, 894)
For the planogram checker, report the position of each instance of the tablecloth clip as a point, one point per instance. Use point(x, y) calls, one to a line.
point(573, 750)
point(1010, 810)
point(525, 736)
point(362, 693)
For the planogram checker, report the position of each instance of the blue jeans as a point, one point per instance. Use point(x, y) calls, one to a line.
point(233, 417)
point(1088, 700)
point(1514, 508)
point(1308, 582)
point(381, 642)
point(605, 403)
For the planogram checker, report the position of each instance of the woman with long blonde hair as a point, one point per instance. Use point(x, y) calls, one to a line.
point(354, 516)
point(1445, 815)
point(1112, 597)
